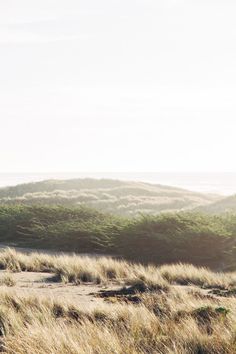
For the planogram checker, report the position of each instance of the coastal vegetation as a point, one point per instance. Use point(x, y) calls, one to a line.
point(200, 239)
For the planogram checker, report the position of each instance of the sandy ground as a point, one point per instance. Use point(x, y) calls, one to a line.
point(42, 284)
point(84, 296)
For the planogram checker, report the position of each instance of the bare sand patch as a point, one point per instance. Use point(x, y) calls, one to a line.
point(45, 285)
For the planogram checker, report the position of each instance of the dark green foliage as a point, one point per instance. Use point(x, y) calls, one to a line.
point(81, 229)
point(222, 310)
point(184, 237)
point(167, 238)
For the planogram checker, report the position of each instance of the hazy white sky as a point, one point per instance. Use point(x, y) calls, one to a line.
point(118, 85)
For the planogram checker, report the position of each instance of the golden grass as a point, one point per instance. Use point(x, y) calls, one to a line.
point(175, 322)
point(77, 269)
point(7, 280)
point(175, 319)
point(184, 274)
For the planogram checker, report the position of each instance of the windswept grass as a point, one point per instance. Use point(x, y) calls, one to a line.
point(167, 319)
point(175, 322)
point(185, 274)
point(76, 269)
point(7, 280)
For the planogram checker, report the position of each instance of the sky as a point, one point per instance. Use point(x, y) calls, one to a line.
point(108, 85)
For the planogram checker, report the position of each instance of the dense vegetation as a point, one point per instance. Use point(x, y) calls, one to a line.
point(117, 197)
point(185, 237)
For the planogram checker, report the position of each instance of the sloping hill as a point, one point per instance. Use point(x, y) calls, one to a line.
point(225, 205)
point(113, 196)
point(166, 238)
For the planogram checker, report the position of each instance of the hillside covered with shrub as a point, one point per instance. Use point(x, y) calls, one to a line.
point(166, 238)
point(106, 195)
point(225, 205)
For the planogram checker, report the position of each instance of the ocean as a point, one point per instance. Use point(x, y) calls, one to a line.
point(217, 183)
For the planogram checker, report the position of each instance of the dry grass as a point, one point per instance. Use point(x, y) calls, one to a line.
point(175, 322)
point(7, 280)
point(174, 319)
point(185, 274)
point(77, 269)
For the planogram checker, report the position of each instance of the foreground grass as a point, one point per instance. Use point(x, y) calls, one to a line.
point(160, 317)
point(173, 322)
